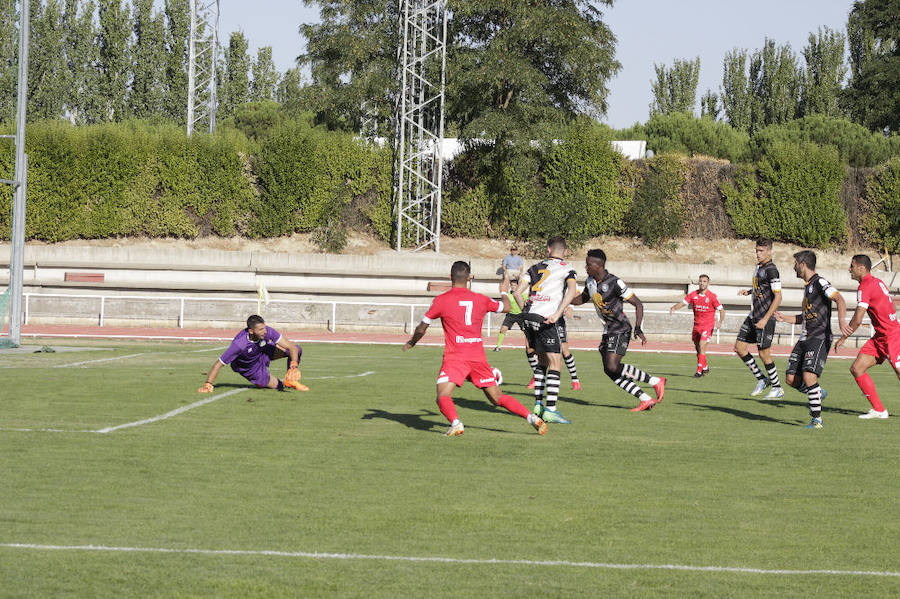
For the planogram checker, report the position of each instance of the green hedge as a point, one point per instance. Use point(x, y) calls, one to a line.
point(881, 226)
point(686, 134)
point(306, 174)
point(793, 196)
point(129, 179)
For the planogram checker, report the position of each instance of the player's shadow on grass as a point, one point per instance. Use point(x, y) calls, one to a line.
point(668, 389)
point(416, 421)
point(739, 413)
point(238, 386)
point(803, 404)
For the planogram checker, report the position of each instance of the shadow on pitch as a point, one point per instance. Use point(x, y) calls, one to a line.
point(739, 413)
point(802, 404)
point(416, 421)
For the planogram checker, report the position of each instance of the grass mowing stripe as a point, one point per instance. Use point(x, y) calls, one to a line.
point(450, 560)
point(174, 412)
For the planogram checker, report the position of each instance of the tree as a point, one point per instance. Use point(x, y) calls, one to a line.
point(265, 76)
point(8, 62)
point(675, 89)
point(113, 65)
point(736, 90)
point(352, 57)
point(149, 59)
point(709, 105)
point(873, 31)
point(288, 93)
point(176, 83)
point(237, 75)
point(46, 64)
point(775, 80)
point(81, 76)
point(825, 69)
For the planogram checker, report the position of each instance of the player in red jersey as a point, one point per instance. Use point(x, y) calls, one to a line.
point(873, 297)
point(706, 306)
point(462, 313)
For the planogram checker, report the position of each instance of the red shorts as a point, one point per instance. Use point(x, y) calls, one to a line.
point(884, 347)
point(701, 334)
point(459, 371)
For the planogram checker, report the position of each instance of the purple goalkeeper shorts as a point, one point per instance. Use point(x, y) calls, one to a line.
point(258, 372)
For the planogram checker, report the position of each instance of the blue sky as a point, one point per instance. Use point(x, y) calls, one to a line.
point(648, 32)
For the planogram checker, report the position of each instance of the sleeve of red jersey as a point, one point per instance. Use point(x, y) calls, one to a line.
point(433, 312)
point(491, 305)
point(715, 301)
point(863, 296)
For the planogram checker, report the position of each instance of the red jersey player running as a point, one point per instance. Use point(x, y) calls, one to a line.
point(873, 297)
point(462, 313)
point(705, 305)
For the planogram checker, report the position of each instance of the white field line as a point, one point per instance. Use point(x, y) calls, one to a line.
point(451, 560)
point(70, 365)
point(171, 413)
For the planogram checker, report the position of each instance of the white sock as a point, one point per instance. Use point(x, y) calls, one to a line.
point(645, 397)
point(654, 380)
point(551, 408)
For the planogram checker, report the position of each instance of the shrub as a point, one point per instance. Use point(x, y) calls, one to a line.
point(796, 197)
point(856, 145)
point(686, 134)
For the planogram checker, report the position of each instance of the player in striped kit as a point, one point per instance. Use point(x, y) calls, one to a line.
point(873, 298)
point(552, 288)
point(807, 360)
point(608, 293)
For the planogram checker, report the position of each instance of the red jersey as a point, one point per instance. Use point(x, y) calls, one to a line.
point(461, 312)
point(704, 306)
point(873, 295)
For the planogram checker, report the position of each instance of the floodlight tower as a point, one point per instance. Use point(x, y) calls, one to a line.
point(203, 53)
point(419, 123)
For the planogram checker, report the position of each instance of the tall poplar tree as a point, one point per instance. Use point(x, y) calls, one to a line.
point(675, 89)
point(114, 67)
point(46, 63)
point(82, 102)
point(736, 89)
point(265, 76)
point(176, 82)
point(873, 32)
point(8, 62)
point(237, 75)
point(775, 79)
point(823, 76)
point(149, 58)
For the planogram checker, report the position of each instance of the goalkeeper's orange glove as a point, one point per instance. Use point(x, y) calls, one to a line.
point(292, 375)
point(206, 388)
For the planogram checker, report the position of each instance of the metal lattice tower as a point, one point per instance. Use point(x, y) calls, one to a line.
point(419, 122)
point(203, 54)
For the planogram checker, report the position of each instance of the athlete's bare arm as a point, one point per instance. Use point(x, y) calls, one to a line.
point(790, 319)
point(721, 312)
point(571, 292)
point(842, 313)
point(290, 348)
point(776, 301)
point(677, 306)
point(854, 324)
point(211, 377)
point(418, 334)
point(638, 317)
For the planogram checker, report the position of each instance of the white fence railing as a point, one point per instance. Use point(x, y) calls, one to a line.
point(175, 308)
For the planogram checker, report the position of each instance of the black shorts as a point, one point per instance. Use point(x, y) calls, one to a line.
point(809, 355)
point(543, 338)
point(512, 319)
point(615, 343)
point(762, 338)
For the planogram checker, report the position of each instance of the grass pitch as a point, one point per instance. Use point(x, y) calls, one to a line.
point(231, 498)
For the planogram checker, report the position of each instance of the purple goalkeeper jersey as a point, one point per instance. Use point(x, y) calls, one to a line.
point(250, 358)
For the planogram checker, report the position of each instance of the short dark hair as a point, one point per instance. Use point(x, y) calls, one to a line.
point(460, 271)
point(255, 320)
point(863, 260)
point(703, 277)
point(597, 254)
point(513, 249)
point(806, 257)
point(764, 242)
point(557, 242)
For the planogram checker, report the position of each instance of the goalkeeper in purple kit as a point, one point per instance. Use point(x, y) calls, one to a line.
point(250, 353)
